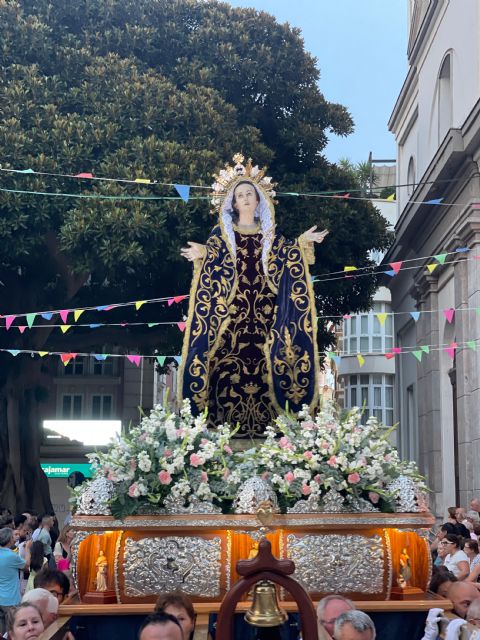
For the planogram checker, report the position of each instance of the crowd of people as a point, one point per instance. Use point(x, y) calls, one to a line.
point(35, 580)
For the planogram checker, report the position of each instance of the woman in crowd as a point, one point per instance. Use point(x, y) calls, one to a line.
point(37, 561)
point(456, 560)
point(24, 622)
point(62, 552)
point(472, 551)
point(180, 606)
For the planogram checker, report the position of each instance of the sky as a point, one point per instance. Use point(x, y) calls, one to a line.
point(361, 49)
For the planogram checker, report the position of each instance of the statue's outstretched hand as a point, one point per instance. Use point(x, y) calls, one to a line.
point(315, 236)
point(193, 252)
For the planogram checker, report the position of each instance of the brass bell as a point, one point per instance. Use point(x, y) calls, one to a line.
point(265, 611)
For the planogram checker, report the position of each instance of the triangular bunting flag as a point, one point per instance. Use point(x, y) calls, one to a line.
point(381, 317)
point(152, 324)
point(13, 352)
point(170, 301)
point(346, 269)
point(65, 327)
point(347, 316)
point(42, 354)
point(361, 359)
point(337, 359)
point(441, 257)
point(22, 327)
point(100, 356)
point(143, 180)
point(178, 299)
point(95, 326)
point(102, 308)
point(390, 198)
point(77, 313)
point(418, 355)
point(330, 354)
point(425, 349)
point(47, 316)
point(183, 191)
point(139, 304)
point(84, 175)
point(182, 326)
point(451, 349)
point(8, 321)
point(396, 350)
point(389, 356)
point(471, 344)
point(462, 249)
point(135, 360)
point(390, 273)
point(433, 201)
point(66, 357)
point(313, 279)
point(415, 315)
point(449, 313)
point(432, 267)
point(64, 315)
point(396, 266)
point(178, 359)
point(30, 319)
point(161, 360)
point(24, 171)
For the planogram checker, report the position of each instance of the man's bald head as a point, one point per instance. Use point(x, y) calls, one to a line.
point(462, 594)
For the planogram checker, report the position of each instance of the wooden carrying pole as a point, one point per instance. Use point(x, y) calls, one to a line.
point(266, 567)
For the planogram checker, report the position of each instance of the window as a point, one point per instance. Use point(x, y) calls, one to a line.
point(72, 406)
point(103, 367)
point(102, 407)
point(366, 334)
point(372, 392)
point(444, 92)
point(411, 177)
point(75, 367)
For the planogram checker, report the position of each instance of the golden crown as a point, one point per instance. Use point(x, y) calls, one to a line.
point(226, 179)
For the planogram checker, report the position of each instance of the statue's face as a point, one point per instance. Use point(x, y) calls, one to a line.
point(245, 199)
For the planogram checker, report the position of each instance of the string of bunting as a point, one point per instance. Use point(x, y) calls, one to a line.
point(348, 272)
point(184, 189)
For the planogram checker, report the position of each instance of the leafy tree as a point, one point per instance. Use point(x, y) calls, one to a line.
point(152, 88)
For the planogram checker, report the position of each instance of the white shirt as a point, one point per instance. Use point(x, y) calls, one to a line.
point(451, 562)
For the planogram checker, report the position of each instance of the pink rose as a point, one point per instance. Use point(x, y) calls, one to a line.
point(289, 477)
point(164, 477)
point(167, 453)
point(227, 449)
point(332, 461)
point(318, 478)
point(309, 426)
point(133, 491)
point(284, 442)
point(353, 478)
point(180, 433)
point(204, 476)
point(325, 445)
point(204, 441)
point(308, 455)
point(387, 458)
point(373, 497)
point(195, 460)
point(306, 490)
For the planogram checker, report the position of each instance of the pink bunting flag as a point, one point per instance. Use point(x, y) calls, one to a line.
point(178, 299)
point(22, 328)
point(451, 349)
point(84, 175)
point(396, 266)
point(397, 350)
point(135, 360)
point(449, 313)
point(170, 301)
point(8, 321)
point(389, 356)
point(347, 316)
point(182, 326)
point(64, 315)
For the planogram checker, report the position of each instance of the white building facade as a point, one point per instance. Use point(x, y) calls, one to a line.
point(436, 123)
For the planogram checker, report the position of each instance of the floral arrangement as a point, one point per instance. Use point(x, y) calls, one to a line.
point(175, 457)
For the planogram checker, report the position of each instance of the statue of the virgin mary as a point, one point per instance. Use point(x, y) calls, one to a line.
point(249, 348)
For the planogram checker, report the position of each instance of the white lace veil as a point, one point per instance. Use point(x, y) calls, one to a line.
point(264, 213)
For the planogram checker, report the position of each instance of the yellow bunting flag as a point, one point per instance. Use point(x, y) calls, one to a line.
point(381, 317)
point(65, 327)
point(143, 180)
point(361, 359)
point(432, 267)
point(42, 354)
point(139, 304)
point(390, 198)
point(77, 313)
point(349, 268)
